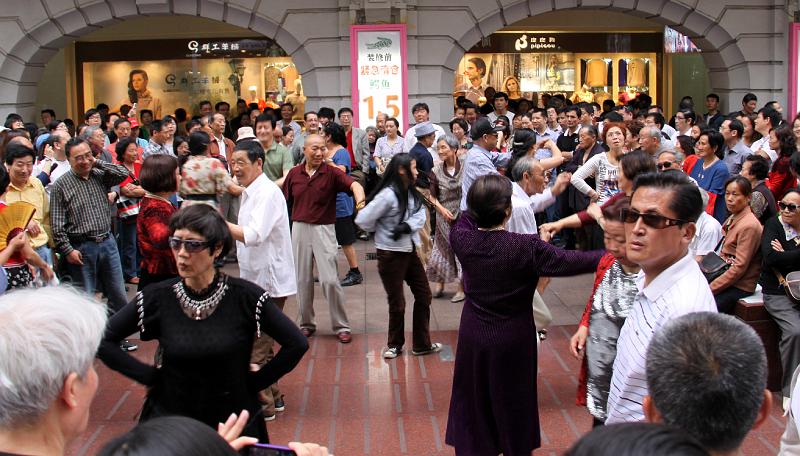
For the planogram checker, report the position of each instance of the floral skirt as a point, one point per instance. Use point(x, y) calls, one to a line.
point(443, 266)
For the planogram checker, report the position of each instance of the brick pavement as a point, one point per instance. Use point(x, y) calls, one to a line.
point(348, 398)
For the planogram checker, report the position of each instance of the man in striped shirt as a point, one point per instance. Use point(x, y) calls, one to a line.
point(659, 226)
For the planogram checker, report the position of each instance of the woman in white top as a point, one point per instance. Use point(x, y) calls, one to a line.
point(604, 167)
point(388, 146)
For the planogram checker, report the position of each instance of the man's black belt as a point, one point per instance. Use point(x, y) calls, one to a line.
point(96, 239)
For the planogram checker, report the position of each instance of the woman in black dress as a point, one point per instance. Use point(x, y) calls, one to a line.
point(205, 323)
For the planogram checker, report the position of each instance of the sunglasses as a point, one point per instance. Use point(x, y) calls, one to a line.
point(664, 165)
point(656, 221)
point(191, 245)
point(787, 207)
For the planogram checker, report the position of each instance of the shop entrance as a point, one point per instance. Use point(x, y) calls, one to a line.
point(546, 55)
point(590, 54)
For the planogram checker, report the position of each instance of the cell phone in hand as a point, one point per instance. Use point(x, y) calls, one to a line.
point(263, 449)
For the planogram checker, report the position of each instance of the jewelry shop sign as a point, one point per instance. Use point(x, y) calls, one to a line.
point(378, 72)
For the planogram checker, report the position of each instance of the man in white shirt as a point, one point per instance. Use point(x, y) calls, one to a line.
point(421, 114)
point(659, 226)
point(766, 120)
point(528, 197)
point(501, 108)
point(263, 247)
point(60, 163)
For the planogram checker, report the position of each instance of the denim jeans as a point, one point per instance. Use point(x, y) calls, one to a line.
point(45, 254)
point(101, 264)
point(128, 249)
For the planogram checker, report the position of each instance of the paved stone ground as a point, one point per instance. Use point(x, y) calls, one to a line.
point(348, 398)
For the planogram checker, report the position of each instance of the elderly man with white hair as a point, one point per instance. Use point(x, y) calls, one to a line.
point(47, 378)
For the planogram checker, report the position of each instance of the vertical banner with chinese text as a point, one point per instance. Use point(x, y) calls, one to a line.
point(378, 71)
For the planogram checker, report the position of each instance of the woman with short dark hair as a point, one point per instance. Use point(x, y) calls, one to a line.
point(494, 407)
point(128, 207)
point(739, 247)
point(205, 323)
point(160, 179)
point(204, 178)
point(710, 172)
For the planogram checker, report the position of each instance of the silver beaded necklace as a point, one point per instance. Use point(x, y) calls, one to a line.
point(200, 310)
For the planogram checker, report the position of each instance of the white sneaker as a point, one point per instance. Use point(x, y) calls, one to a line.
point(392, 352)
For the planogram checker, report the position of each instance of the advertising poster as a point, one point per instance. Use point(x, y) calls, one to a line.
point(378, 73)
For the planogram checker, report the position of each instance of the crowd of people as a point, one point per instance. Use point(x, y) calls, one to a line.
point(678, 219)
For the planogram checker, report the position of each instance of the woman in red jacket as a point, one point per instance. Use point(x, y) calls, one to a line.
point(160, 179)
point(780, 179)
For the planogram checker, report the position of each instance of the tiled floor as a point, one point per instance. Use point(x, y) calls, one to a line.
point(350, 399)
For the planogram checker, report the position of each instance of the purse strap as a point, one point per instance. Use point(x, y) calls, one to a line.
point(727, 227)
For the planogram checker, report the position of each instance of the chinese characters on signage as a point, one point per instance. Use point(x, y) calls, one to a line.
point(378, 73)
point(534, 43)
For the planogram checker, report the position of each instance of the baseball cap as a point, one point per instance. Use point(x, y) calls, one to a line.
point(483, 126)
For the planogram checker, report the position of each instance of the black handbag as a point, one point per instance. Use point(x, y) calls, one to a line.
point(712, 265)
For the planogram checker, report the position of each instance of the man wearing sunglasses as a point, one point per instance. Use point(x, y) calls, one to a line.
point(480, 161)
point(659, 226)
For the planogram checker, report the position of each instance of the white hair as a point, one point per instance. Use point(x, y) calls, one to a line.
point(46, 335)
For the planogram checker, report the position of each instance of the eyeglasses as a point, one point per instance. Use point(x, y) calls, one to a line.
point(191, 245)
point(656, 221)
point(787, 207)
point(664, 165)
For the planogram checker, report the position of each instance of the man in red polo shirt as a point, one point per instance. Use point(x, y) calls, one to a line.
point(310, 189)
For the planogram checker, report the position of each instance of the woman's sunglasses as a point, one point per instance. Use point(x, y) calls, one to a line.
point(656, 221)
point(191, 245)
point(787, 207)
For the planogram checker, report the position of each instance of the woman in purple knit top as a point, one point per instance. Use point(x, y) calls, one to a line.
point(494, 408)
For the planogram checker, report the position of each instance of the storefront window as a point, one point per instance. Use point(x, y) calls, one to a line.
point(182, 73)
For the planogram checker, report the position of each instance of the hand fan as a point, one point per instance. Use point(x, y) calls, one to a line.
point(14, 218)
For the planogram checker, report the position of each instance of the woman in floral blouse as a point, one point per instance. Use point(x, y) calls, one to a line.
point(204, 178)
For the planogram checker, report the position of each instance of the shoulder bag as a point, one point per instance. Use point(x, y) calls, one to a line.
point(712, 265)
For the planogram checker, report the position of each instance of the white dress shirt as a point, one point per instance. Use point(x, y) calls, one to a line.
point(678, 290)
point(265, 256)
point(410, 139)
point(763, 143)
point(524, 209)
point(708, 234)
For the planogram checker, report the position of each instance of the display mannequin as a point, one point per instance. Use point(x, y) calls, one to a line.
point(298, 100)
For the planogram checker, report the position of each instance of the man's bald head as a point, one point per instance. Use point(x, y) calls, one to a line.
point(314, 150)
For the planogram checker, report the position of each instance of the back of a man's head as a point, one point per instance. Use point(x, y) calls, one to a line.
point(47, 334)
point(707, 374)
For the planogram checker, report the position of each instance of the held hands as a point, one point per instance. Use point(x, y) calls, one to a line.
point(578, 341)
point(595, 211)
point(593, 196)
point(548, 230)
point(400, 230)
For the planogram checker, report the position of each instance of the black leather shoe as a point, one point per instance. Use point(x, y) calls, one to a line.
point(352, 278)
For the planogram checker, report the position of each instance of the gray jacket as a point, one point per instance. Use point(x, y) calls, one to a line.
point(382, 215)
